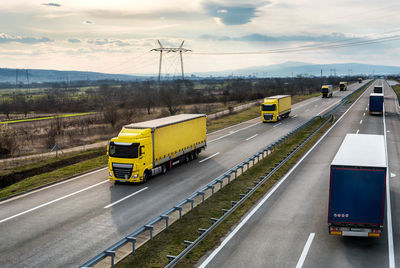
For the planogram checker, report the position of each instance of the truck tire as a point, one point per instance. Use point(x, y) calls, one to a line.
point(145, 176)
point(191, 156)
point(187, 158)
point(164, 169)
point(195, 154)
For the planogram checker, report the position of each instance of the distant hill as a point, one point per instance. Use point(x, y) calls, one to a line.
point(288, 69)
point(39, 76)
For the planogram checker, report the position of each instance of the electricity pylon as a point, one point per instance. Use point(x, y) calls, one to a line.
point(162, 49)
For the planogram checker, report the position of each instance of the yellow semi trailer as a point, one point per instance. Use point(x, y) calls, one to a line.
point(148, 148)
point(343, 86)
point(275, 108)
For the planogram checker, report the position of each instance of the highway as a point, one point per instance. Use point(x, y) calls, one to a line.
point(66, 224)
point(288, 228)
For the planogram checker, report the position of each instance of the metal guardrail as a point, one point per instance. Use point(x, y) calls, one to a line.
point(131, 238)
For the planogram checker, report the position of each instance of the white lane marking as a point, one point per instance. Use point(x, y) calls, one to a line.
point(294, 116)
point(357, 131)
point(274, 188)
point(126, 197)
point(50, 186)
point(364, 114)
point(387, 131)
point(366, 108)
point(305, 251)
point(307, 110)
point(211, 156)
point(388, 205)
point(392, 175)
point(360, 122)
point(232, 132)
point(225, 128)
point(277, 125)
point(53, 201)
point(328, 107)
point(249, 138)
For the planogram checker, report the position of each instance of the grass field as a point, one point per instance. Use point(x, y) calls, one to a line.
point(46, 118)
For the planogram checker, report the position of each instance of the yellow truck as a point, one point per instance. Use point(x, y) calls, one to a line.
point(343, 86)
point(327, 91)
point(145, 149)
point(360, 80)
point(275, 108)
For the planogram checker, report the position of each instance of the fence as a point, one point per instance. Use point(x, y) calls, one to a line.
point(209, 189)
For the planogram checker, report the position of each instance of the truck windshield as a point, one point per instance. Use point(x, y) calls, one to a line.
point(325, 90)
point(341, 85)
point(124, 151)
point(268, 107)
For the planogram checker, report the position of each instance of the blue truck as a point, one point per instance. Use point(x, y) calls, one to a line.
point(376, 103)
point(357, 187)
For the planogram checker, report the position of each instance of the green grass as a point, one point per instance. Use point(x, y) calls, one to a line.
point(46, 118)
point(170, 241)
point(396, 89)
point(54, 176)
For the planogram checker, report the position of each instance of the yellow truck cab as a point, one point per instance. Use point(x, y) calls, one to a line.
point(343, 86)
point(145, 149)
point(327, 91)
point(275, 108)
point(360, 80)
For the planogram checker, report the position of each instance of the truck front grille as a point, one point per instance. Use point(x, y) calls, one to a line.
point(122, 171)
point(268, 116)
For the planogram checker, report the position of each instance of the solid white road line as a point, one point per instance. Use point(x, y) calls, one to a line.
point(53, 201)
point(360, 122)
point(126, 197)
point(50, 186)
point(225, 128)
point(357, 131)
point(277, 125)
point(392, 263)
point(249, 138)
point(266, 197)
point(305, 251)
point(233, 132)
point(364, 114)
point(294, 116)
point(211, 156)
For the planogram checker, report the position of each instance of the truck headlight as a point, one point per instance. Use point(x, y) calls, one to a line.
point(135, 176)
point(110, 174)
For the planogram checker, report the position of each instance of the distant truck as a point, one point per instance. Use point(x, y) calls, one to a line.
point(275, 108)
point(378, 89)
point(148, 148)
point(360, 80)
point(357, 187)
point(376, 103)
point(343, 86)
point(327, 91)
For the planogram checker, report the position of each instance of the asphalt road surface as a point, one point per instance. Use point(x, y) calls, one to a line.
point(68, 223)
point(290, 229)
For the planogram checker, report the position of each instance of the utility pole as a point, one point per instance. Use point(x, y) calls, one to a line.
point(162, 49)
point(321, 77)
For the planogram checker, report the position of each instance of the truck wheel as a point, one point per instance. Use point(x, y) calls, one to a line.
point(191, 156)
point(187, 158)
point(145, 176)
point(195, 155)
point(164, 169)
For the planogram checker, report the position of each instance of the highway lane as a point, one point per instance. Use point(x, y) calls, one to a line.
point(72, 217)
point(296, 213)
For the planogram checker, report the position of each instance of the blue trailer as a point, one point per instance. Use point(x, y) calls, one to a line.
point(357, 187)
point(376, 103)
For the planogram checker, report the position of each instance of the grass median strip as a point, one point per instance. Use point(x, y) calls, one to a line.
point(53, 176)
point(170, 241)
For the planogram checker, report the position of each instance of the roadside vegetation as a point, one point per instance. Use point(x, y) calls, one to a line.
point(170, 241)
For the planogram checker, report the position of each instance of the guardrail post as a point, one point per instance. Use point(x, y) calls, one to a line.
point(214, 220)
point(212, 188)
point(166, 218)
point(133, 241)
point(202, 195)
point(228, 176)
point(112, 255)
point(180, 211)
point(201, 231)
point(220, 181)
point(187, 243)
point(150, 228)
point(170, 258)
point(191, 201)
point(234, 171)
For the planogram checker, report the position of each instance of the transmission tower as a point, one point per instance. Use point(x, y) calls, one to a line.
point(162, 49)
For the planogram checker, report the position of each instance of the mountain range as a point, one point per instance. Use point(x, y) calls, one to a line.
point(287, 69)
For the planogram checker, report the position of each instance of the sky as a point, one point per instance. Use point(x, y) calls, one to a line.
point(117, 36)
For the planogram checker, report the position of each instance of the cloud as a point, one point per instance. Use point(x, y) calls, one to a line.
point(5, 38)
point(333, 37)
point(51, 4)
point(233, 13)
point(74, 40)
point(107, 41)
point(88, 22)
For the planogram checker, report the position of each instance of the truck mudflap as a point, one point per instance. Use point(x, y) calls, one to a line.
point(353, 231)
